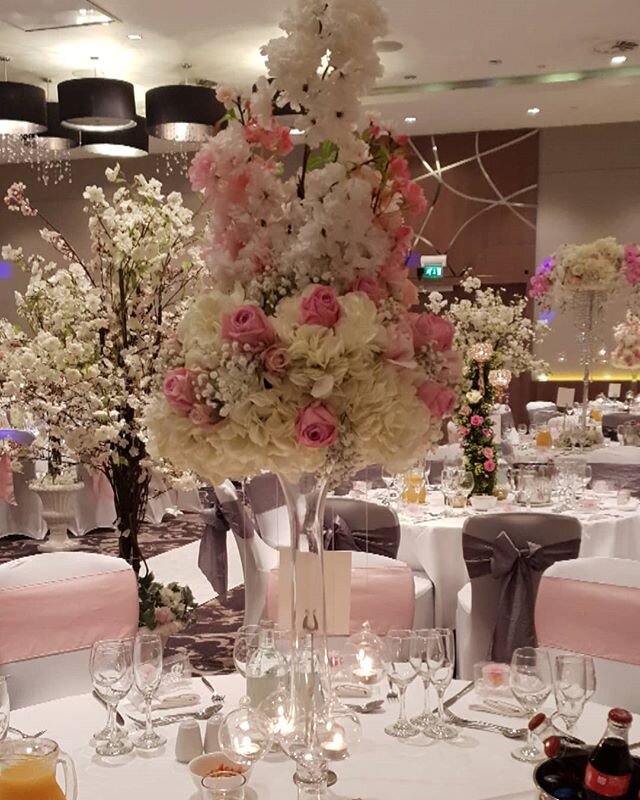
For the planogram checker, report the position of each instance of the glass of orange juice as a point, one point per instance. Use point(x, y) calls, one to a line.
point(414, 486)
point(28, 771)
point(543, 438)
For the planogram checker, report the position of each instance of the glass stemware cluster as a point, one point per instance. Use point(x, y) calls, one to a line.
point(430, 655)
point(570, 482)
point(115, 666)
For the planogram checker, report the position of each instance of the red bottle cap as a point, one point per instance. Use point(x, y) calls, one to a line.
point(620, 716)
point(552, 746)
point(536, 721)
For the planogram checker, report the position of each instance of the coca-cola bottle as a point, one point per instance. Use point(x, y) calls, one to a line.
point(608, 773)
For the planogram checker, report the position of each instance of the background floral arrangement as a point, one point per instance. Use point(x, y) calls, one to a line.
point(89, 356)
point(600, 266)
point(169, 607)
point(477, 435)
point(626, 353)
point(303, 354)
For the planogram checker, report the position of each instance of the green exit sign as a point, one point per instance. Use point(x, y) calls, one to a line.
point(431, 271)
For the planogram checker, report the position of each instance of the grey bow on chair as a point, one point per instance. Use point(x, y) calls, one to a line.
point(519, 570)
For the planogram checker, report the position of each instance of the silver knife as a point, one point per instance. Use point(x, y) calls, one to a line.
point(454, 699)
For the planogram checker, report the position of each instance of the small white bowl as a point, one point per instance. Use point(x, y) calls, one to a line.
point(201, 766)
point(483, 502)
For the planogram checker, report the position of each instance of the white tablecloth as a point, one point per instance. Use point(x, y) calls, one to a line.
point(476, 766)
point(434, 545)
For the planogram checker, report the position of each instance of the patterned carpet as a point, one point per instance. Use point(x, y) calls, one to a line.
point(209, 640)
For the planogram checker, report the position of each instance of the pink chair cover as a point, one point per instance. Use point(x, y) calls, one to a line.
point(66, 615)
point(382, 596)
point(596, 619)
point(7, 492)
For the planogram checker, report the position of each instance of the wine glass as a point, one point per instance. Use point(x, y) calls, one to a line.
point(441, 659)
point(5, 707)
point(587, 475)
point(570, 685)
point(246, 643)
point(111, 666)
point(427, 472)
point(147, 671)
point(467, 483)
point(531, 683)
point(522, 432)
point(399, 652)
point(425, 720)
point(390, 483)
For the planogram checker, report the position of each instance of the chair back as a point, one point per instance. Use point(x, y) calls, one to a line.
point(505, 556)
point(372, 528)
point(539, 405)
point(54, 607)
point(621, 476)
point(543, 416)
point(256, 556)
point(592, 606)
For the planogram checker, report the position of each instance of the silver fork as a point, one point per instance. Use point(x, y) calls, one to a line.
point(392, 695)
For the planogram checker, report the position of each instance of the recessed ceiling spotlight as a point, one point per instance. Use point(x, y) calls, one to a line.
point(134, 37)
point(410, 120)
point(617, 60)
point(533, 111)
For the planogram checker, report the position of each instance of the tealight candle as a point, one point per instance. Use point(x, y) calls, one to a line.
point(334, 747)
point(246, 748)
point(365, 671)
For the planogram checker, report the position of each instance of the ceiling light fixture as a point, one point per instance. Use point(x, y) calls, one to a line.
point(533, 111)
point(129, 143)
point(23, 107)
point(101, 105)
point(183, 113)
point(134, 37)
point(410, 120)
point(57, 138)
point(618, 60)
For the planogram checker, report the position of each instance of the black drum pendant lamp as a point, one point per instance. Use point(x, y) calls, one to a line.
point(57, 138)
point(97, 104)
point(23, 109)
point(183, 112)
point(131, 143)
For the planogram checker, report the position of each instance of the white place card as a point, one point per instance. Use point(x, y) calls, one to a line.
point(615, 390)
point(337, 590)
point(565, 397)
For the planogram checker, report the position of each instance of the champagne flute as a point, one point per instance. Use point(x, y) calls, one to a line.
point(5, 707)
point(570, 685)
point(246, 643)
point(441, 659)
point(425, 720)
point(111, 666)
point(427, 472)
point(531, 683)
point(147, 671)
point(399, 647)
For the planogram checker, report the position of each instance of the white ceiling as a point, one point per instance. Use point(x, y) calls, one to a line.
point(444, 40)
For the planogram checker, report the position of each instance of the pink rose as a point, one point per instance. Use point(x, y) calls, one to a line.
point(632, 263)
point(440, 400)
point(487, 433)
point(320, 306)
point(179, 391)
point(399, 168)
point(371, 287)
point(489, 466)
point(432, 329)
point(316, 426)
point(399, 348)
point(488, 452)
point(204, 415)
point(163, 615)
point(477, 420)
point(249, 326)
point(276, 359)
point(465, 410)
point(464, 431)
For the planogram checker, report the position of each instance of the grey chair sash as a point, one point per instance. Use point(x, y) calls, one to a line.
point(518, 570)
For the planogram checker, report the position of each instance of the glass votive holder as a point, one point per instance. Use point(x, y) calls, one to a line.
point(623, 498)
point(223, 786)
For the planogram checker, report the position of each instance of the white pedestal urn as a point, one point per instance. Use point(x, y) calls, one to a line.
point(58, 511)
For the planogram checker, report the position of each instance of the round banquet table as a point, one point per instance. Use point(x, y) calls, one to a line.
point(476, 766)
point(432, 543)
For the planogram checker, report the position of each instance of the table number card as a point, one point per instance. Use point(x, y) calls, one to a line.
point(615, 390)
point(337, 589)
point(565, 397)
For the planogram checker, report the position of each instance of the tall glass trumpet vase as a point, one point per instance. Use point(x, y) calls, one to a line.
point(58, 512)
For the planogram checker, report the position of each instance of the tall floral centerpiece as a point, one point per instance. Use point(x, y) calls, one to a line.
point(87, 357)
point(303, 356)
point(497, 338)
point(583, 279)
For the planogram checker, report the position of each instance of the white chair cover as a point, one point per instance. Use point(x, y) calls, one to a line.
point(481, 621)
point(539, 405)
point(592, 606)
point(54, 607)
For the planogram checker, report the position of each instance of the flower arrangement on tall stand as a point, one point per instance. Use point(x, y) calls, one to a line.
point(497, 338)
point(89, 356)
point(626, 352)
point(303, 356)
point(584, 279)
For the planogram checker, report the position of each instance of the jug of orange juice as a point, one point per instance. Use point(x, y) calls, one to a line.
point(28, 771)
point(415, 490)
point(543, 438)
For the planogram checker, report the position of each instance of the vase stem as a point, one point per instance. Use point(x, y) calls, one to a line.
point(586, 356)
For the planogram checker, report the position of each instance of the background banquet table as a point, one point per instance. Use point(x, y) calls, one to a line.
point(476, 766)
point(433, 544)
